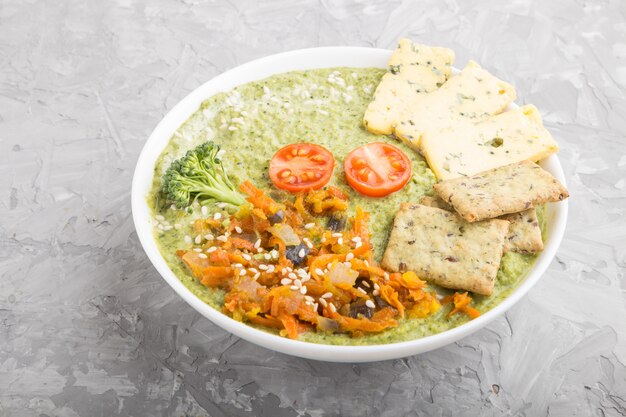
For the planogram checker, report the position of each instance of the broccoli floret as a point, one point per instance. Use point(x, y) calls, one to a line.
point(199, 175)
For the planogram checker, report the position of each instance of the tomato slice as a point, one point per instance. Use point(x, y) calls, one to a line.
point(377, 169)
point(301, 166)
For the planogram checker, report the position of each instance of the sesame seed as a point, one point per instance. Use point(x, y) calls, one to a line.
point(253, 270)
point(202, 255)
point(217, 216)
point(271, 268)
point(323, 302)
point(356, 239)
point(259, 250)
point(309, 225)
point(294, 288)
point(332, 307)
point(222, 238)
point(340, 241)
point(204, 210)
point(329, 265)
point(209, 237)
point(257, 244)
point(263, 267)
point(211, 249)
point(362, 290)
point(242, 272)
point(376, 286)
point(292, 275)
point(323, 239)
point(221, 205)
point(267, 256)
point(386, 276)
point(159, 217)
point(337, 235)
point(198, 239)
point(327, 295)
point(375, 292)
point(238, 265)
point(297, 282)
point(358, 245)
point(370, 304)
point(246, 257)
point(197, 249)
point(309, 298)
point(238, 229)
point(285, 281)
point(168, 227)
point(319, 271)
point(366, 284)
point(315, 306)
point(303, 290)
point(256, 276)
point(349, 256)
point(308, 243)
point(367, 264)
point(301, 253)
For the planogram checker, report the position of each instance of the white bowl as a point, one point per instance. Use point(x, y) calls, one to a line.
point(262, 68)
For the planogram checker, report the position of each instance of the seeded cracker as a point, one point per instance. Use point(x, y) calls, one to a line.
point(524, 235)
point(444, 249)
point(508, 189)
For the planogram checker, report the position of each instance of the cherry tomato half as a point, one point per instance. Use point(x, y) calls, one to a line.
point(301, 166)
point(377, 169)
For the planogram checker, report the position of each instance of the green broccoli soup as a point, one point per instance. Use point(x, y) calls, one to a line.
point(203, 239)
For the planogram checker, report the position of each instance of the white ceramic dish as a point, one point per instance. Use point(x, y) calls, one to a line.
point(262, 68)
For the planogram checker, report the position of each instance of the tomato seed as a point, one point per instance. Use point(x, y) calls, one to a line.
point(285, 173)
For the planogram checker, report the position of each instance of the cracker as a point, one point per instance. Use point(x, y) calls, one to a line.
point(471, 96)
point(507, 189)
point(444, 249)
point(466, 148)
point(414, 71)
point(524, 235)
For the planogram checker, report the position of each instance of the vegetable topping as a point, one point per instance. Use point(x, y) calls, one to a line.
point(377, 169)
point(294, 275)
point(301, 166)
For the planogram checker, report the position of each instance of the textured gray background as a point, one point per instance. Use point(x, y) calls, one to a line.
point(87, 326)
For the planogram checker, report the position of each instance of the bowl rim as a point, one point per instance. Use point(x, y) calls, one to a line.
point(311, 58)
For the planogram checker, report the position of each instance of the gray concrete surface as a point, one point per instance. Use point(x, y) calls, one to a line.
point(87, 326)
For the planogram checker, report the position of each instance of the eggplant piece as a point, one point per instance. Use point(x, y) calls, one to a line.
point(365, 284)
point(380, 303)
point(336, 222)
point(359, 309)
point(293, 253)
point(277, 217)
